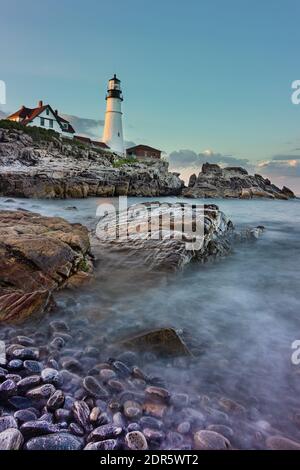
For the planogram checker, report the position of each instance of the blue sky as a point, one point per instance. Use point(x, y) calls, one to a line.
point(197, 75)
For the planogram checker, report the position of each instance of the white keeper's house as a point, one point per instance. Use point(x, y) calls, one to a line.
point(43, 116)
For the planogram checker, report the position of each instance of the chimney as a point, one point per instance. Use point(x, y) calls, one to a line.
point(40, 104)
point(56, 112)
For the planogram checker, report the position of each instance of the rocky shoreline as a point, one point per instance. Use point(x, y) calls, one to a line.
point(232, 182)
point(57, 168)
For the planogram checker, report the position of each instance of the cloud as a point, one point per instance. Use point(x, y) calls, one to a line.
point(282, 168)
point(2, 114)
point(286, 157)
point(189, 159)
point(92, 128)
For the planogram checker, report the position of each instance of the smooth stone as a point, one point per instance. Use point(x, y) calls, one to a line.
point(95, 414)
point(210, 440)
point(156, 410)
point(69, 402)
point(51, 376)
point(128, 357)
point(24, 341)
point(135, 440)
point(28, 382)
point(42, 392)
point(33, 366)
point(71, 365)
point(282, 443)
point(57, 343)
point(47, 417)
point(115, 385)
point(133, 427)
point(184, 428)
point(139, 374)
point(153, 435)
point(107, 431)
point(56, 400)
point(174, 440)
point(60, 441)
point(53, 364)
point(25, 353)
point(22, 416)
point(11, 439)
point(37, 428)
point(118, 420)
point(15, 364)
point(179, 400)
point(231, 406)
point(20, 403)
point(62, 415)
point(59, 325)
point(91, 385)
point(221, 429)
point(74, 428)
point(81, 413)
point(157, 393)
point(150, 422)
point(107, 374)
point(8, 388)
point(121, 368)
point(132, 409)
point(91, 351)
point(7, 422)
point(15, 377)
point(108, 444)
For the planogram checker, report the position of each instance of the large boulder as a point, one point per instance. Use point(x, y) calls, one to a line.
point(38, 255)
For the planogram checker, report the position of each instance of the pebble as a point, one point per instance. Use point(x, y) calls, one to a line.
point(210, 440)
point(15, 377)
point(60, 441)
point(81, 413)
point(57, 343)
point(56, 400)
point(33, 366)
point(118, 420)
point(42, 392)
point(184, 428)
point(24, 341)
point(28, 382)
point(282, 443)
point(20, 403)
point(150, 422)
point(8, 388)
point(51, 376)
point(37, 428)
point(133, 427)
point(121, 368)
point(76, 429)
point(7, 422)
point(179, 400)
point(95, 414)
point(221, 429)
point(157, 393)
point(62, 415)
point(155, 409)
point(107, 431)
point(15, 364)
point(91, 385)
point(132, 409)
point(59, 325)
point(11, 439)
point(72, 365)
point(135, 440)
point(22, 416)
point(107, 374)
point(154, 436)
point(25, 353)
point(115, 385)
point(108, 444)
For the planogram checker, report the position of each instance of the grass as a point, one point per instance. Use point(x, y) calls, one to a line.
point(83, 266)
point(124, 161)
point(38, 134)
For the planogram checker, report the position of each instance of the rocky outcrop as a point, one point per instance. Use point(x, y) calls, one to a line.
point(150, 234)
point(66, 169)
point(38, 255)
point(232, 182)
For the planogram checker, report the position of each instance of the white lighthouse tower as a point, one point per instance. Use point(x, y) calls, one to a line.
point(113, 131)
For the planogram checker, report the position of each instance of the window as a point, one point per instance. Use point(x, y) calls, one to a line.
point(51, 123)
point(42, 122)
point(118, 134)
point(47, 111)
point(65, 125)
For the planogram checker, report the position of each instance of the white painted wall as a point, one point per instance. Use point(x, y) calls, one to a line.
point(113, 129)
point(47, 117)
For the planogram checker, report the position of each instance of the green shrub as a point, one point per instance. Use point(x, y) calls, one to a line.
point(124, 161)
point(38, 134)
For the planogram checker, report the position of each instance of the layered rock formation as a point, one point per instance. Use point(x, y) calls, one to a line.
point(232, 182)
point(151, 234)
point(38, 255)
point(59, 168)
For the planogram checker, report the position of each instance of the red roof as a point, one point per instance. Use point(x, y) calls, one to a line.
point(142, 147)
point(27, 115)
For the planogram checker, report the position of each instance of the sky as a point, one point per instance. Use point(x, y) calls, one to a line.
point(211, 77)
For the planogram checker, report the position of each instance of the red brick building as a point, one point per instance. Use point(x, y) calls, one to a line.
point(143, 152)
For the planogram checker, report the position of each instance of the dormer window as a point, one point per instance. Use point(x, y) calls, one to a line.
point(47, 111)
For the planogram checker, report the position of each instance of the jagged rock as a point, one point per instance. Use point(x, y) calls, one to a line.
point(232, 182)
point(163, 341)
point(56, 170)
point(39, 254)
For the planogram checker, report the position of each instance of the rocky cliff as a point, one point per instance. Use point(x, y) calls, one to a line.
point(51, 167)
point(232, 182)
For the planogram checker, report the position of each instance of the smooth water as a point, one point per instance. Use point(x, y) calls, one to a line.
point(241, 314)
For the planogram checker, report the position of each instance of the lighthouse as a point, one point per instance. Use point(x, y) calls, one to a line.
point(113, 131)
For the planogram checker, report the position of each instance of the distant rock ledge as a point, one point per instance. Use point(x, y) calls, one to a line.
point(232, 182)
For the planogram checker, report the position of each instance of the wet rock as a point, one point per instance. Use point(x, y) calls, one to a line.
point(150, 422)
point(226, 431)
point(107, 431)
point(60, 441)
point(133, 427)
point(108, 444)
point(25, 353)
point(47, 417)
point(56, 400)
point(174, 440)
point(95, 414)
point(51, 376)
point(24, 341)
point(37, 428)
point(11, 439)
point(59, 325)
point(132, 410)
point(62, 415)
point(157, 394)
point(281, 443)
point(42, 392)
point(115, 385)
point(15, 377)
point(136, 440)
point(153, 435)
point(7, 422)
point(231, 406)
point(28, 383)
point(179, 400)
point(7, 389)
point(72, 365)
point(162, 341)
point(22, 416)
point(57, 343)
point(81, 413)
point(15, 364)
point(210, 440)
point(184, 427)
point(121, 368)
point(33, 367)
point(74, 428)
point(91, 385)
point(107, 374)
point(20, 403)
point(155, 409)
